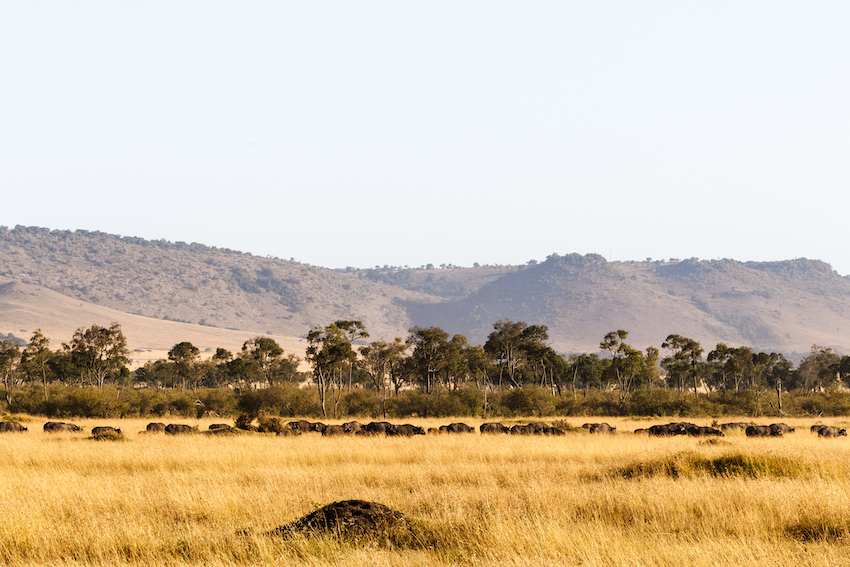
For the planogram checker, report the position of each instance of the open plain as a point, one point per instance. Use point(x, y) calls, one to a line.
point(581, 499)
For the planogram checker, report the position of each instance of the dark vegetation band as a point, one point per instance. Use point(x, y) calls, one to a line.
point(430, 374)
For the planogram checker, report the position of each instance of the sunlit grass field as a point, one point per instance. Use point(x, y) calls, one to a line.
point(483, 500)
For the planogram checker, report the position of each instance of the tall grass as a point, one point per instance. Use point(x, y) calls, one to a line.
point(477, 500)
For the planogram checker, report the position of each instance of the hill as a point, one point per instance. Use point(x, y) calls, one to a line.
point(26, 308)
point(774, 306)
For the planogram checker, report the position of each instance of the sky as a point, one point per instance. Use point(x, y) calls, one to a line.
point(344, 133)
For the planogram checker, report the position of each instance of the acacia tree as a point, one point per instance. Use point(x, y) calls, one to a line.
point(265, 353)
point(383, 361)
point(329, 352)
point(98, 351)
point(35, 359)
point(10, 359)
point(626, 362)
point(510, 344)
point(685, 359)
point(428, 355)
point(818, 370)
point(186, 357)
point(353, 330)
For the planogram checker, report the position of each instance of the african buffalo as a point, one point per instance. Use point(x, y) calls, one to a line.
point(522, 430)
point(493, 428)
point(104, 429)
point(826, 431)
point(781, 428)
point(815, 428)
point(376, 428)
point(58, 426)
point(665, 430)
point(301, 425)
point(456, 428)
point(704, 432)
point(599, 428)
point(217, 426)
point(331, 430)
point(7, 426)
point(405, 430)
point(178, 429)
point(352, 427)
point(156, 428)
point(761, 431)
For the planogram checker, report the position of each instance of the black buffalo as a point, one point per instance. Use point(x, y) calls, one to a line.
point(352, 427)
point(493, 428)
point(762, 431)
point(457, 428)
point(826, 431)
point(667, 430)
point(178, 429)
point(704, 432)
point(376, 428)
point(155, 428)
point(781, 428)
point(602, 428)
point(7, 426)
point(405, 430)
point(522, 430)
point(58, 426)
point(332, 430)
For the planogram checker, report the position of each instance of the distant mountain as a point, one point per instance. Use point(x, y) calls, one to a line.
point(774, 306)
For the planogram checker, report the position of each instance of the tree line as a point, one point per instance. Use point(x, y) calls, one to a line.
point(349, 372)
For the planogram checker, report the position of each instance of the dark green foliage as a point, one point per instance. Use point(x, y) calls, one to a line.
point(364, 403)
point(287, 400)
point(528, 401)
point(271, 424)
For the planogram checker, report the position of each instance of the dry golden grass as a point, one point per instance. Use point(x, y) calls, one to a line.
point(482, 500)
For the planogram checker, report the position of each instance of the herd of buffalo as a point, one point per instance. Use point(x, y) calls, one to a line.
point(406, 430)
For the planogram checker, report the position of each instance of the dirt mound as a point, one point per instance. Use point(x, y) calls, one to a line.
point(351, 519)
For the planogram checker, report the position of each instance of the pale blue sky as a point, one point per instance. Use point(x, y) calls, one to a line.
point(403, 133)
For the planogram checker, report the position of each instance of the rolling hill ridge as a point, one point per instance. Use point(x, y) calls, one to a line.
point(774, 306)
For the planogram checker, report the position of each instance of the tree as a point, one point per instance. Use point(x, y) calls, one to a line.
point(187, 357)
point(354, 330)
point(35, 359)
point(265, 353)
point(685, 359)
point(626, 361)
point(383, 361)
point(10, 359)
point(510, 345)
point(818, 370)
point(98, 351)
point(427, 358)
point(778, 372)
point(587, 371)
point(329, 352)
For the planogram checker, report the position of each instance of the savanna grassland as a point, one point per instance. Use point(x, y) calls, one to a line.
point(478, 500)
